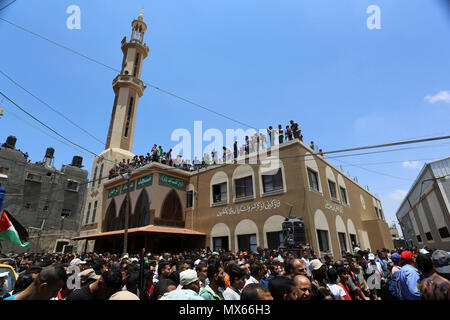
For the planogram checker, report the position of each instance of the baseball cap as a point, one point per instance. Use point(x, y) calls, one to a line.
point(441, 261)
point(407, 255)
point(315, 265)
point(187, 277)
point(423, 251)
point(88, 274)
point(124, 295)
point(245, 253)
point(4, 274)
point(395, 257)
point(371, 256)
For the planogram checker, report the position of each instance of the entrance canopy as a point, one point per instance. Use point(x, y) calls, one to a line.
point(142, 230)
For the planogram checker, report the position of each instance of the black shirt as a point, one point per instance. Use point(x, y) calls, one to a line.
point(81, 294)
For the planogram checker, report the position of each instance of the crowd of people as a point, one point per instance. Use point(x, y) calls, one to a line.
point(223, 275)
point(253, 143)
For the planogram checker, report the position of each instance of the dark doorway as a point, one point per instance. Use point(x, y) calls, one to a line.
point(172, 212)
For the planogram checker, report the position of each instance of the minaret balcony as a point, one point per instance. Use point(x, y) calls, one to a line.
point(135, 43)
point(123, 80)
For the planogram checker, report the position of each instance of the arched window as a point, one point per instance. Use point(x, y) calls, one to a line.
point(95, 177)
point(171, 212)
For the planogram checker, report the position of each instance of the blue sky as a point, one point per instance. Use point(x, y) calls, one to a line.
point(259, 62)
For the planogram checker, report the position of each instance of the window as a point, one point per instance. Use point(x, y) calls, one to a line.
point(72, 185)
point(100, 176)
point(313, 181)
point(60, 245)
point(95, 177)
point(322, 236)
point(275, 239)
point(247, 242)
point(353, 240)
point(342, 241)
point(419, 238)
point(273, 182)
point(429, 236)
point(332, 187)
point(136, 65)
point(220, 193)
point(88, 213)
point(65, 212)
point(189, 199)
point(34, 177)
point(94, 212)
point(443, 232)
point(344, 195)
point(376, 212)
point(129, 116)
point(244, 187)
point(220, 243)
point(27, 205)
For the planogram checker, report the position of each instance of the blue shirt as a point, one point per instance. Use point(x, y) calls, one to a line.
point(407, 283)
point(13, 297)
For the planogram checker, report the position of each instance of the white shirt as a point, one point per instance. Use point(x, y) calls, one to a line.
point(337, 291)
point(307, 266)
point(250, 280)
point(230, 294)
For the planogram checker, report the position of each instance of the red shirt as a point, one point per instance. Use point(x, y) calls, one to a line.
point(347, 294)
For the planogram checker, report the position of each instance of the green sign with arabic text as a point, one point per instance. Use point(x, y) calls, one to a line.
point(171, 181)
point(144, 181)
point(113, 192)
point(125, 186)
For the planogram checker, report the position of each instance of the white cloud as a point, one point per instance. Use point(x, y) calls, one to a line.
point(410, 164)
point(398, 194)
point(441, 96)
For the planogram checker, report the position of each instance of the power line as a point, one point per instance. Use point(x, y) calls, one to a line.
point(373, 171)
point(49, 106)
point(118, 71)
point(46, 133)
point(390, 162)
point(8, 5)
point(54, 131)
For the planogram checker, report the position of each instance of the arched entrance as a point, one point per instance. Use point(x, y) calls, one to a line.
point(141, 215)
point(171, 212)
point(109, 224)
point(121, 220)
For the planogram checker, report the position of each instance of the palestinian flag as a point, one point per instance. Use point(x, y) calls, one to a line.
point(11, 230)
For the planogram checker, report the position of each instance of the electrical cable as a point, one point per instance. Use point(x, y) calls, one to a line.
point(49, 106)
point(118, 71)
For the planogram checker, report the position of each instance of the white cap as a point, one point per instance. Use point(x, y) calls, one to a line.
point(423, 251)
point(186, 277)
point(4, 274)
point(371, 256)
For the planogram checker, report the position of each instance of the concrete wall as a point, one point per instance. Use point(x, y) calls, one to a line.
point(32, 202)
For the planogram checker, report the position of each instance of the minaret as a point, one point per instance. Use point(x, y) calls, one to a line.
point(128, 88)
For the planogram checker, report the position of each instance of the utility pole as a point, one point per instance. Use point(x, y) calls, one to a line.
point(127, 176)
